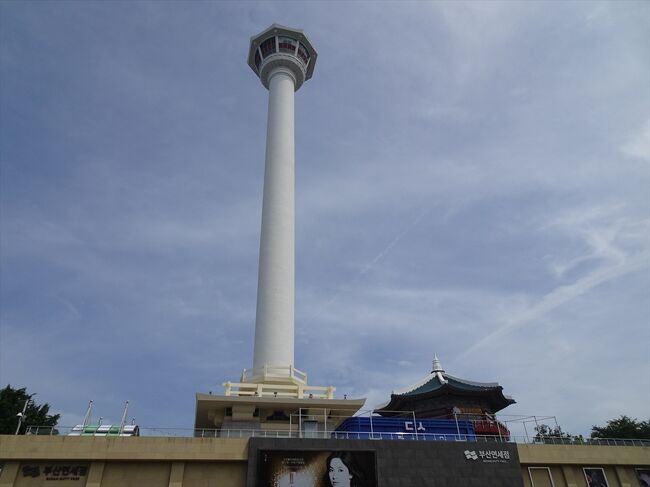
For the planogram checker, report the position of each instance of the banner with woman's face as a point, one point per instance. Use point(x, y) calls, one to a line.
point(279, 468)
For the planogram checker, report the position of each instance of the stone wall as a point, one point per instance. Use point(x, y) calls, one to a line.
point(28, 461)
point(563, 465)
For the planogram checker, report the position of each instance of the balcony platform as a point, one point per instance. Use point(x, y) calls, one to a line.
point(269, 411)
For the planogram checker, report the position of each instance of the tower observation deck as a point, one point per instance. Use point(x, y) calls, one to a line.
point(282, 47)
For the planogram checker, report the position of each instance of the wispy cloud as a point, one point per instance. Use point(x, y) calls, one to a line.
point(638, 143)
point(608, 239)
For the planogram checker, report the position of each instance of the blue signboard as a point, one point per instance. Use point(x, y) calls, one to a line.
point(405, 428)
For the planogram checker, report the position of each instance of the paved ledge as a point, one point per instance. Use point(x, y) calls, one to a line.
point(583, 454)
point(138, 448)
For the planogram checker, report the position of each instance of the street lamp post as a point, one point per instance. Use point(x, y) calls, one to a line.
point(21, 415)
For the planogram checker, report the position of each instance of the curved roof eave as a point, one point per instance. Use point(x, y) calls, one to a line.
point(383, 405)
point(434, 376)
point(414, 386)
point(487, 385)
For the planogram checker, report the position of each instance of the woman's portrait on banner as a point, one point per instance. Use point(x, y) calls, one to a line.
point(316, 469)
point(342, 470)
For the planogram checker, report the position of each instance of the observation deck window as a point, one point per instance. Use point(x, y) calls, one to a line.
point(303, 54)
point(268, 47)
point(258, 59)
point(287, 44)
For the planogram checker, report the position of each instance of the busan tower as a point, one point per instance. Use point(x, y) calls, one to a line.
point(273, 391)
point(283, 59)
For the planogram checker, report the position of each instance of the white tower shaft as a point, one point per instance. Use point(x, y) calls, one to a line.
point(274, 322)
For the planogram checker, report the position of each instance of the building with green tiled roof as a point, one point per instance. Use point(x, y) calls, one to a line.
point(440, 395)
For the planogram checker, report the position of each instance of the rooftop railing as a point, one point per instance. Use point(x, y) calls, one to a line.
point(344, 435)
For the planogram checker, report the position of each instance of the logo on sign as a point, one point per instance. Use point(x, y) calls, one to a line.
point(471, 455)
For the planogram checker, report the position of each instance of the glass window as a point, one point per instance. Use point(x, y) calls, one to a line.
point(540, 477)
point(268, 47)
point(303, 53)
point(287, 44)
point(258, 59)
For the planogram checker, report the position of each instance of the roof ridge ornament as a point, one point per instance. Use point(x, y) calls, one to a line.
point(437, 366)
point(438, 370)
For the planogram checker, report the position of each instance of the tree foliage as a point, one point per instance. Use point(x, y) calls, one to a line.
point(555, 435)
point(543, 430)
point(623, 427)
point(12, 402)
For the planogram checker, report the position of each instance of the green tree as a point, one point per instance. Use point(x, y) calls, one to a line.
point(623, 427)
point(544, 430)
point(12, 402)
point(555, 435)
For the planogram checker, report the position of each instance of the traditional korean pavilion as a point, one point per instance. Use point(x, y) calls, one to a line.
point(440, 395)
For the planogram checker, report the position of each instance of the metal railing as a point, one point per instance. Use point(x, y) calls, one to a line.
point(262, 389)
point(271, 372)
point(348, 435)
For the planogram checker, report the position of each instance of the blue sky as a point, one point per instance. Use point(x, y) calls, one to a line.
point(472, 181)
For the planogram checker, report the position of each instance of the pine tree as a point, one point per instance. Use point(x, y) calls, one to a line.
point(623, 427)
point(12, 402)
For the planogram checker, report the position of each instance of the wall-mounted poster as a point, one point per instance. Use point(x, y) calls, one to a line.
point(595, 477)
point(278, 468)
point(644, 476)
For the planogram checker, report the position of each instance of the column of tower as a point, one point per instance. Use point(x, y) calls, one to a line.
point(274, 324)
